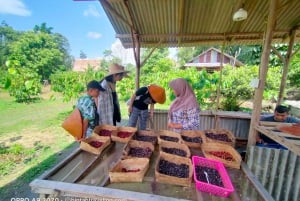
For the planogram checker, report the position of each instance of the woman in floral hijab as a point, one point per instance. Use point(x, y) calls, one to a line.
point(184, 112)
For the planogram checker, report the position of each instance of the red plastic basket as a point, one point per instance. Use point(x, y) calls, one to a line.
point(213, 189)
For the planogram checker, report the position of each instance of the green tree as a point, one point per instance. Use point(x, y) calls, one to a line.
point(7, 36)
point(109, 59)
point(185, 54)
point(157, 62)
point(25, 82)
point(42, 28)
point(82, 55)
point(38, 52)
point(64, 47)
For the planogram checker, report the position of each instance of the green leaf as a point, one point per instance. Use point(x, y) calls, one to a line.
point(7, 83)
point(12, 71)
point(28, 84)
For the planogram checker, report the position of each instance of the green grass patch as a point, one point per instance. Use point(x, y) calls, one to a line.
point(32, 140)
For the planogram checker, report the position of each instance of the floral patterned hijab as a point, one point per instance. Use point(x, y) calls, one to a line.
point(185, 99)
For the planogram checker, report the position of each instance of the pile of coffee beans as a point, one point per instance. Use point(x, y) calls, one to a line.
point(192, 139)
point(130, 170)
point(175, 151)
point(222, 154)
point(169, 138)
point(218, 136)
point(140, 152)
point(145, 138)
point(95, 144)
point(124, 134)
point(213, 176)
point(173, 169)
point(105, 133)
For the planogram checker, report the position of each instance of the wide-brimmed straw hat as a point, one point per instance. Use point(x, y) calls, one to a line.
point(115, 69)
point(157, 93)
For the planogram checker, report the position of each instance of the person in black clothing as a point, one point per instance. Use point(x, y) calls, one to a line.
point(138, 105)
point(281, 114)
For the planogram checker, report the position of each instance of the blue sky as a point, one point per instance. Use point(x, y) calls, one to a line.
point(83, 23)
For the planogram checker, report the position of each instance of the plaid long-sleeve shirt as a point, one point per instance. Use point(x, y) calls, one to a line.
point(105, 105)
point(190, 119)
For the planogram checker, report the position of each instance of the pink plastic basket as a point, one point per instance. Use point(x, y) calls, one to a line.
point(213, 189)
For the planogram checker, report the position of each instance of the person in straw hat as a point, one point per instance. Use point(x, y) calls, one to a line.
point(138, 104)
point(184, 112)
point(108, 103)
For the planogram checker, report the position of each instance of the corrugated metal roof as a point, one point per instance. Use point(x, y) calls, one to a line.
point(194, 22)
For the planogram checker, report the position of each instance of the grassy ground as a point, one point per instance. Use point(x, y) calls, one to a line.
point(31, 141)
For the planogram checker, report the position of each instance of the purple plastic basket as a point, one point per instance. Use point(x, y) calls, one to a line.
point(213, 189)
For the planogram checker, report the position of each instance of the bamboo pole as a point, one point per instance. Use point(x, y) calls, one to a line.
point(262, 73)
point(286, 64)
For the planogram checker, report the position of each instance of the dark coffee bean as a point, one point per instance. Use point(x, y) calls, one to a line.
point(213, 175)
point(175, 151)
point(168, 138)
point(173, 169)
point(140, 152)
point(192, 139)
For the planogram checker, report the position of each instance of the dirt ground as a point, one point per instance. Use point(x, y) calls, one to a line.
point(25, 191)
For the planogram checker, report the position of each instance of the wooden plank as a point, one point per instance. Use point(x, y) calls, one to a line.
point(92, 165)
point(92, 192)
point(274, 124)
point(259, 187)
point(296, 142)
point(281, 140)
point(57, 167)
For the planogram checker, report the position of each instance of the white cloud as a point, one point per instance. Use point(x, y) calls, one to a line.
point(14, 7)
point(126, 55)
point(91, 11)
point(94, 35)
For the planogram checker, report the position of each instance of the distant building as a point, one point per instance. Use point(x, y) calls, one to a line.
point(211, 60)
point(84, 64)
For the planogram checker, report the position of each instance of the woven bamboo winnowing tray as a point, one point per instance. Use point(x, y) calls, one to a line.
point(193, 134)
point(219, 131)
point(116, 138)
point(116, 174)
point(146, 133)
point(84, 144)
point(168, 144)
point(102, 127)
point(219, 147)
point(169, 134)
point(134, 143)
point(166, 179)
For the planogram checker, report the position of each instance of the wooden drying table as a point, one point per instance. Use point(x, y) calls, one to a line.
point(84, 175)
point(291, 142)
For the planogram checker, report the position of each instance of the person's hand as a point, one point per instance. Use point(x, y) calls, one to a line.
point(129, 109)
point(170, 125)
point(174, 125)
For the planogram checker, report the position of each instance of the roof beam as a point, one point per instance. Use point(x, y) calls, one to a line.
point(114, 12)
point(181, 19)
point(221, 35)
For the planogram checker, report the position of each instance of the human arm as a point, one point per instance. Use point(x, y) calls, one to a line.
point(131, 103)
point(175, 125)
point(151, 110)
point(85, 124)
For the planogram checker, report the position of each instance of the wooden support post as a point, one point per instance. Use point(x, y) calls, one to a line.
point(286, 64)
point(262, 73)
